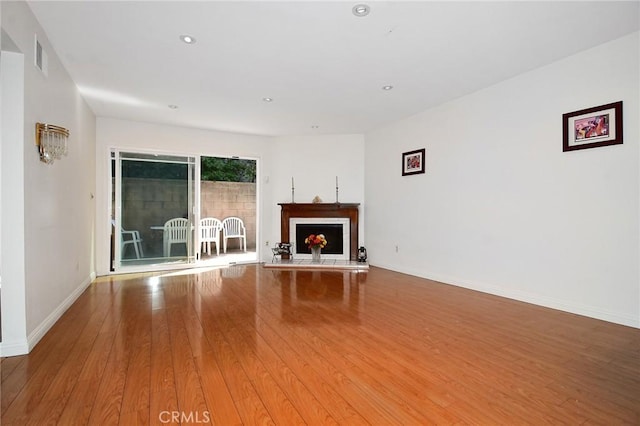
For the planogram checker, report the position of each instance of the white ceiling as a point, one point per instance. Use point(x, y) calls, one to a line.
point(322, 65)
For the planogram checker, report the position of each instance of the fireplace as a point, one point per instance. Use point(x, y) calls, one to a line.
point(321, 214)
point(335, 230)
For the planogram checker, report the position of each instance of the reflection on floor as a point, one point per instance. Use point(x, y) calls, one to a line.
point(315, 296)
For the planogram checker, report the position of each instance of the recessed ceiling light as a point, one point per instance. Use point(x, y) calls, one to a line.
point(387, 87)
point(361, 10)
point(173, 106)
point(188, 39)
point(267, 99)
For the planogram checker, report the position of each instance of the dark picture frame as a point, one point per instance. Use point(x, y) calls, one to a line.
point(413, 162)
point(592, 127)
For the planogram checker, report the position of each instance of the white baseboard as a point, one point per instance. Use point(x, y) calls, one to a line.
point(561, 305)
point(42, 329)
point(14, 348)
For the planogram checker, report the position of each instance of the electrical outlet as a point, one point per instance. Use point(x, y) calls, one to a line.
point(266, 243)
point(396, 248)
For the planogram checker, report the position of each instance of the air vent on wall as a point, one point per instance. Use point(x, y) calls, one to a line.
point(40, 57)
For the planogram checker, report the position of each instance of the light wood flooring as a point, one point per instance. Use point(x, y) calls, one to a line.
point(249, 345)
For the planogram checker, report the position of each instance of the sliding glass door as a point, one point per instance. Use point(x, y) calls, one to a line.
point(168, 211)
point(153, 220)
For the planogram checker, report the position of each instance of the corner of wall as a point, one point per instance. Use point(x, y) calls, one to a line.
point(38, 333)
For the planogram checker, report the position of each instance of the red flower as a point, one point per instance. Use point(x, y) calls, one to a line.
point(315, 240)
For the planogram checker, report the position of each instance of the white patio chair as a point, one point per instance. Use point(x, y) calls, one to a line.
point(210, 228)
point(233, 227)
point(130, 238)
point(176, 231)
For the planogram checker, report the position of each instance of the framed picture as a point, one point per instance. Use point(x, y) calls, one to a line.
point(413, 162)
point(592, 127)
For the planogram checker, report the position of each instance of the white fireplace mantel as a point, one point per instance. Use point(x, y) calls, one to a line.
point(344, 221)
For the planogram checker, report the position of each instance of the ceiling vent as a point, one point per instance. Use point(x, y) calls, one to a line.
point(40, 57)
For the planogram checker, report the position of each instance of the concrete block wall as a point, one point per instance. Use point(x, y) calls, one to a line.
point(151, 202)
point(225, 199)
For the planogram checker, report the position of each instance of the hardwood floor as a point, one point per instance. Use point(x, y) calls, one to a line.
point(247, 345)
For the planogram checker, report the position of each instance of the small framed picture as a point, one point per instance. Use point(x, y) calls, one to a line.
point(592, 127)
point(413, 162)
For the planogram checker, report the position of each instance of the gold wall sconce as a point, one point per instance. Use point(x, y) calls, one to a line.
point(51, 141)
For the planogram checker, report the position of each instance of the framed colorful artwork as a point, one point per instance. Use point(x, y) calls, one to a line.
point(413, 162)
point(592, 127)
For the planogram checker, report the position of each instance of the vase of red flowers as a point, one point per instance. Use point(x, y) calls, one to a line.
point(315, 243)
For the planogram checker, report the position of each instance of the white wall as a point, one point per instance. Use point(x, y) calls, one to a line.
point(14, 319)
point(314, 161)
point(1, 112)
point(501, 208)
point(55, 263)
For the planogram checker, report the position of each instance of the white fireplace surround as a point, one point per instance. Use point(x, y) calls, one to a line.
point(346, 243)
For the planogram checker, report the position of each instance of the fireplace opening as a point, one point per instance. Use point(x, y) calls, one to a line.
point(333, 233)
point(336, 231)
